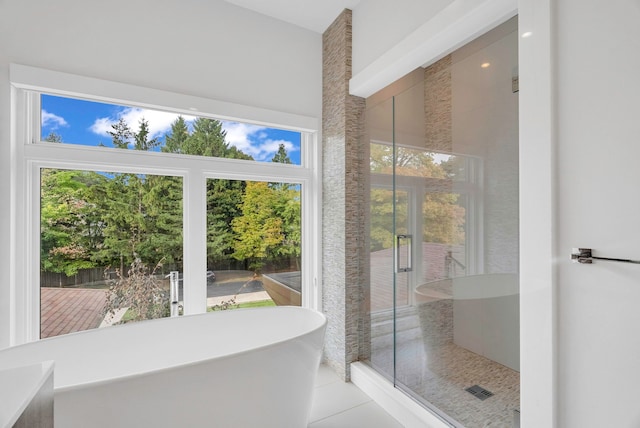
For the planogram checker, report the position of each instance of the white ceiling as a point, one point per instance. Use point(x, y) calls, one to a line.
point(315, 15)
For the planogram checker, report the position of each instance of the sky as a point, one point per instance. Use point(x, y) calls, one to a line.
point(87, 123)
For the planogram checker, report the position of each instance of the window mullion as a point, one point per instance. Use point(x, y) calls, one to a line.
point(195, 242)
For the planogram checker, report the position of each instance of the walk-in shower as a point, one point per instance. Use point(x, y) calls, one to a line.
point(442, 306)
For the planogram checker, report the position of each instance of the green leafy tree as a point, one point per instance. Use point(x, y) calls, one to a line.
point(175, 140)
point(142, 213)
point(207, 139)
point(53, 138)
point(258, 229)
point(443, 216)
point(281, 155)
point(162, 199)
point(123, 215)
point(224, 197)
point(121, 134)
point(381, 217)
point(288, 208)
point(224, 201)
point(141, 138)
point(444, 219)
point(142, 216)
point(68, 229)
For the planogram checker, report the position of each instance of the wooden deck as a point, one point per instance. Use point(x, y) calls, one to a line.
point(66, 310)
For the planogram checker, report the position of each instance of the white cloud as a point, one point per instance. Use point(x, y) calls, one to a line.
point(52, 121)
point(252, 140)
point(159, 121)
point(102, 125)
point(238, 135)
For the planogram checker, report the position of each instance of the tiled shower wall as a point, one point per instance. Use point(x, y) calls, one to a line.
point(344, 267)
point(438, 105)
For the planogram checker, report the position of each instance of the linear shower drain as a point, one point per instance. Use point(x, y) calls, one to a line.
point(479, 392)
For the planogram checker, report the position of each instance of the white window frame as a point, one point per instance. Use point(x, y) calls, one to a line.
point(28, 82)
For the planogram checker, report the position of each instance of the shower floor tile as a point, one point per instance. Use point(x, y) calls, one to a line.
point(441, 376)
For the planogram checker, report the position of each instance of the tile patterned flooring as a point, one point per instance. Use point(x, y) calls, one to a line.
point(338, 404)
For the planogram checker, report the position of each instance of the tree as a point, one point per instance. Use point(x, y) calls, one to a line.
point(444, 219)
point(224, 201)
point(207, 139)
point(142, 213)
point(53, 138)
point(287, 207)
point(281, 156)
point(443, 216)
point(123, 215)
point(175, 140)
point(258, 229)
point(139, 291)
point(121, 134)
point(68, 229)
point(162, 199)
point(381, 217)
point(224, 197)
point(141, 138)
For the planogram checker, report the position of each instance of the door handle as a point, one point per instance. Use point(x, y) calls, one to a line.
point(408, 266)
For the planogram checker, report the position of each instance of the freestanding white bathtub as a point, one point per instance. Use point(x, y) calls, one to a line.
point(240, 368)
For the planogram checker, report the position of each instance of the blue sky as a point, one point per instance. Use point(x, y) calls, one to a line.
point(87, 123)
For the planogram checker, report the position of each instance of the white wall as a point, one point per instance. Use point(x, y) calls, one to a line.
point(379, 25)
point(5, 204)
point(598, 206)
point(209, 49)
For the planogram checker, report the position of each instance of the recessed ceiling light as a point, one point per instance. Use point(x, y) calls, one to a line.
point(485, 65)
point(527, 34)
point(193, 109)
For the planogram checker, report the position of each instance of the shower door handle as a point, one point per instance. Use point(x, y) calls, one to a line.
point(407, 267)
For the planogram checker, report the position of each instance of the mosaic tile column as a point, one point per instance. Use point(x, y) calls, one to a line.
point(343, 199)
point(437, 106)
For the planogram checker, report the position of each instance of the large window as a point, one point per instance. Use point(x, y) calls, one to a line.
point(137, 211)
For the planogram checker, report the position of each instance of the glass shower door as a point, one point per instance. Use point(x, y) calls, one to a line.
point(443, 301)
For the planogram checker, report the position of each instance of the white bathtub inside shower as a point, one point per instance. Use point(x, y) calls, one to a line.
point(482, 313)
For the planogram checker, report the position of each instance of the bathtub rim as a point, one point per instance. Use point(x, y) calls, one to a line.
point(322, 319)
point(423, 290)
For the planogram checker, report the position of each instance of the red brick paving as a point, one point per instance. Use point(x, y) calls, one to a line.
point(65, 310)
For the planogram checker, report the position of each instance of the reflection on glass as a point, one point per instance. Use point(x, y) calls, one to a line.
point(413, 162)
point(443, 236)
point(382, 243)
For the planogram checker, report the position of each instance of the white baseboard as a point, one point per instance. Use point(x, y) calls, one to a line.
point(406, 411)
